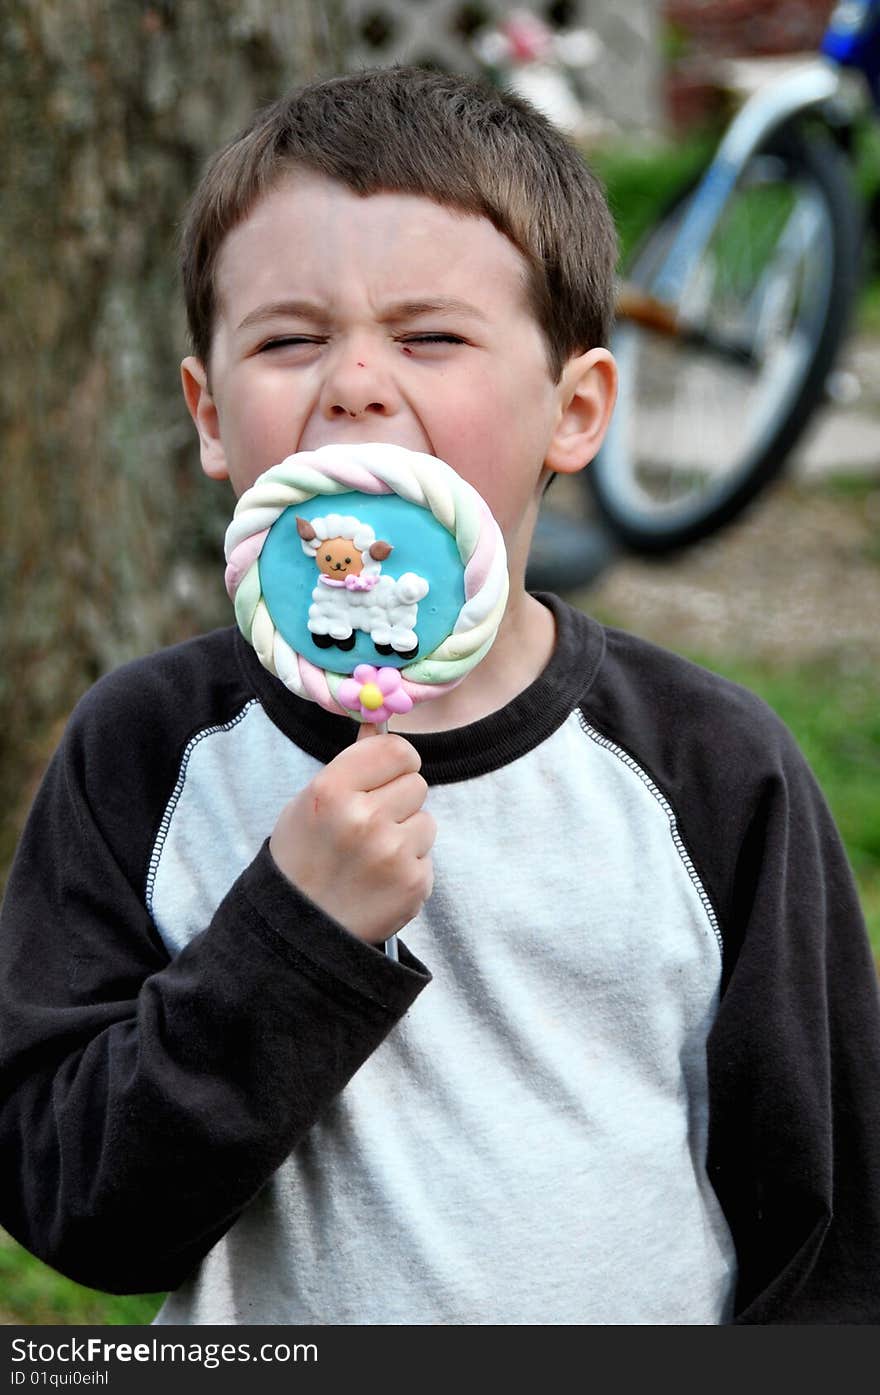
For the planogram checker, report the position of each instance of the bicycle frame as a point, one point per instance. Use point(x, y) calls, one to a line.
point(851, 40)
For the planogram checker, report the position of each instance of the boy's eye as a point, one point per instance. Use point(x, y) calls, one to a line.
point(287, 341)
point(432, 339)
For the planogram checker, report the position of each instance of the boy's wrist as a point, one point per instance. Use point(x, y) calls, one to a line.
point(308, 937)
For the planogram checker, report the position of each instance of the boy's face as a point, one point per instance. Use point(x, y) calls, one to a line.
point(386, 318)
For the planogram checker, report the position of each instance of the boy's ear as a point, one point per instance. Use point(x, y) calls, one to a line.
point(203, 411)
point(587, 393)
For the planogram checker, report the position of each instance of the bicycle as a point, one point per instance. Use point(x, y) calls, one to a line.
point(735, 306)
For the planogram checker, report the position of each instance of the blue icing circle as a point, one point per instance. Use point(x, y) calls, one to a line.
point(420, 544)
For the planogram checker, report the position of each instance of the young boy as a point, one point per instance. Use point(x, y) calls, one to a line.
point(625, 1070)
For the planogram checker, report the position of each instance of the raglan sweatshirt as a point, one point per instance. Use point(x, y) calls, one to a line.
point(625, 1069)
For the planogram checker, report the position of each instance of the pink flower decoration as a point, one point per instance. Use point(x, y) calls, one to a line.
point(363, 684)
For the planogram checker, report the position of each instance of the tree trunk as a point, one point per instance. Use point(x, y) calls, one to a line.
point(108, 112)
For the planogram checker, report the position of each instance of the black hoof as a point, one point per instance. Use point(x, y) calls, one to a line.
point(322, 641)
point(346, 644)
point(401, 653)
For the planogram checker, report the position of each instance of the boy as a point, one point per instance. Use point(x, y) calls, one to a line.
point(637, 1082)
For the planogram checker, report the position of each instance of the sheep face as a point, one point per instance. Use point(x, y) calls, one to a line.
point(338, 558)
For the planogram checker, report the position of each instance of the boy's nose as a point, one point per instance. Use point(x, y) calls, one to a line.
point(356, 386)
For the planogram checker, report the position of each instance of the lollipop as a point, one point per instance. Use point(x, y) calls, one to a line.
point(367, 578)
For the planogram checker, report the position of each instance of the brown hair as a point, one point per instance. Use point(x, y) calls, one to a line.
point(448, 138)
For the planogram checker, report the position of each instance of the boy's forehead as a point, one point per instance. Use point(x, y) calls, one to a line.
point(311, 231)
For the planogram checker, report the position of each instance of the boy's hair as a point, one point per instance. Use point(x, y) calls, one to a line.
point(457, 141)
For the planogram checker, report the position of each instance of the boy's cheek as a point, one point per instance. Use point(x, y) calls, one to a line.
point(260, 429)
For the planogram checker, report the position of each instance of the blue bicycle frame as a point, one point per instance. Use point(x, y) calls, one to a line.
point(851, 40)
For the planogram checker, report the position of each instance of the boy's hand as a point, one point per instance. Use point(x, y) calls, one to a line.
point(357, 841)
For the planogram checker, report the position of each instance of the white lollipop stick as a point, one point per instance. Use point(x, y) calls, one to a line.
point(391, 943)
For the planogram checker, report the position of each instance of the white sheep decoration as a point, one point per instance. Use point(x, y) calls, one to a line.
point(353, 593)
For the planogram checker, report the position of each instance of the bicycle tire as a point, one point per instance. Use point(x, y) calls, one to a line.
point(676, 465)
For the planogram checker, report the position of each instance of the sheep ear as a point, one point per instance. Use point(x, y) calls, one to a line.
point(305, 529)
point(380, 550)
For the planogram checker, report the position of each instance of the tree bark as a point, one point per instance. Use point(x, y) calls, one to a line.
point(108, 113)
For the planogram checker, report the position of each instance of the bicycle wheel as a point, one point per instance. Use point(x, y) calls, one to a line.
point(706, 418)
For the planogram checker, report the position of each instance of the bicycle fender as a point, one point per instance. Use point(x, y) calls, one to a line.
point(771, 106)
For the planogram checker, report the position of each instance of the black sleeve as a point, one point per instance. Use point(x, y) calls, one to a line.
point(794, 1052)
point(794, 1066)
point(144, 1101)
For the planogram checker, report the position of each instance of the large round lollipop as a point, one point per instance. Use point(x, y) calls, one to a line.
point(367, 578)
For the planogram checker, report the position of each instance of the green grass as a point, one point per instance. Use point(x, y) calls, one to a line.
point(32, 1294)
point(868, 312)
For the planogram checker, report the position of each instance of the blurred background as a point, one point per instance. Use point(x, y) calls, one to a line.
point(110, 537)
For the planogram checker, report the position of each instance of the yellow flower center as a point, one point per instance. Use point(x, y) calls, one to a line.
point(371, 697)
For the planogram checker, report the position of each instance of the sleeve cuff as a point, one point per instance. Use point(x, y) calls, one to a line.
point(306, 935)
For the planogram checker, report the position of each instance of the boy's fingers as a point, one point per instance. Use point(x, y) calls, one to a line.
point(403, 797)
point(366, 729)
point(369, 764)
point(422, 831)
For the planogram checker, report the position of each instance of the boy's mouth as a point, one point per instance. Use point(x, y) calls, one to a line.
point(358, 435)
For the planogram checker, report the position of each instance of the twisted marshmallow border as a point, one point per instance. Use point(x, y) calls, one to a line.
point(373, 468)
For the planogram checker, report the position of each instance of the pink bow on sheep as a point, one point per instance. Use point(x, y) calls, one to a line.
point(350, 582)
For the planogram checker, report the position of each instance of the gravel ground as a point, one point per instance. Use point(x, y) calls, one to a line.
point(796, 578)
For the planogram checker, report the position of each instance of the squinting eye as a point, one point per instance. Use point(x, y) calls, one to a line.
point(433, 339)
point(286, 342)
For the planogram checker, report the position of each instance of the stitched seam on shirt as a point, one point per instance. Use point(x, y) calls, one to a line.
point(668, 810)
point(162, 834)
point(290, 954)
